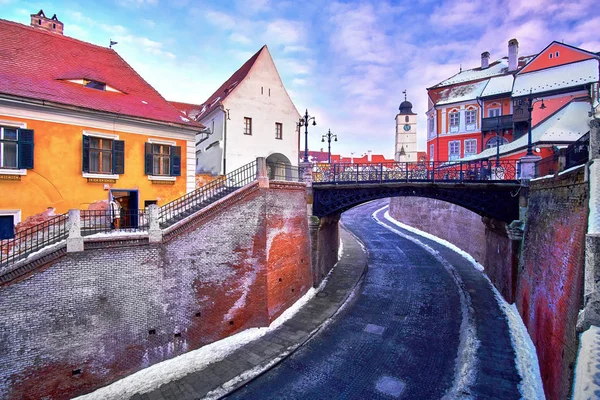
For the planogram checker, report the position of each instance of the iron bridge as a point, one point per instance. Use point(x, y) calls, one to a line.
point(488, 188)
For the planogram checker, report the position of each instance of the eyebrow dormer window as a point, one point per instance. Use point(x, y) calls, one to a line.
point(94, 85)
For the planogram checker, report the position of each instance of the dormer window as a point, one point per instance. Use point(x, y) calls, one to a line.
point(94, 85)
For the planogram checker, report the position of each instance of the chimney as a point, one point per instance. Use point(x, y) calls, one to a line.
point(369, 155)
point(40, 21)
point(513, 55)
point(485, 60)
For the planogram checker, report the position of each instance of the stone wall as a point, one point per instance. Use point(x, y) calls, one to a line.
point(450, 222)
point(95, 316)
point(549, 289)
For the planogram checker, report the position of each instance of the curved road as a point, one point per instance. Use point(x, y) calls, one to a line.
point(423, 325)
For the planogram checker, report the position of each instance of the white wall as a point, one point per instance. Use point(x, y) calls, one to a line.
point(211, 160)
point(262, 97)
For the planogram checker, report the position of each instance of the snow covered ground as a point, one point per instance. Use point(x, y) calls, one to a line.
point(526, 356)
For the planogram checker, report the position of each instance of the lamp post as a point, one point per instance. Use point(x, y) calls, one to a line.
point(530, 103)
point(329, 135)
point(498, 143)
point(304, 123)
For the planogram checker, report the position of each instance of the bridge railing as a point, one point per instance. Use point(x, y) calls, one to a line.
point(433, 171)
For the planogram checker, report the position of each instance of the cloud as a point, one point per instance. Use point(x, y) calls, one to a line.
point(136, 3)
point(239, 38)
point(219, 19)
point(283, 31)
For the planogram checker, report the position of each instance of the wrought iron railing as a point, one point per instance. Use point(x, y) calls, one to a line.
point(31, 240)
point(415, 172)
point(546, 166)
point(105, 221)
point(578, 152)
point(284, 172)
point(194, 201)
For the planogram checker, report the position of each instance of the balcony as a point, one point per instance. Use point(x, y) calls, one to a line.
point(493, 123)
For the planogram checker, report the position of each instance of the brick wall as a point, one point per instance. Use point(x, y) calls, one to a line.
point(93, 317)
point(455, 224)
point(549, 289)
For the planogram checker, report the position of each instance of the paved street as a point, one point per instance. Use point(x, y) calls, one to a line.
point(423, 325)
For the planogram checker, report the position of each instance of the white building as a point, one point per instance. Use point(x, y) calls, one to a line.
point(251, 115)
point(406, 133)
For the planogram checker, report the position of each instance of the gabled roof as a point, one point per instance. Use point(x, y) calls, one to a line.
point(40, 65)
point(567, 54)
point(229, 86)
point(464, 92)
point(555, 78)
point(496, 68)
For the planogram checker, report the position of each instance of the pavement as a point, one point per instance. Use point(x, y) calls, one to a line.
point(247, 362)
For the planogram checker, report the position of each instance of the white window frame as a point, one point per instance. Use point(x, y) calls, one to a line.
point(450, 143)
point(471, 113)
point(16, 214)
point(454, 128)
point(162, 177)
point(494, 110)
point(101, 135)
point(12, 171)
point(431, 152)
point(467, 143)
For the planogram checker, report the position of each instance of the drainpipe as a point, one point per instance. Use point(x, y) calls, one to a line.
point(480, 102)
point(225, 118)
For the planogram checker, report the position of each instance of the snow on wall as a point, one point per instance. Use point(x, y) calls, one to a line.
point(106, 313)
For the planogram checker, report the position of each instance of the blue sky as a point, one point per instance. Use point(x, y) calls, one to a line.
point(347, 62)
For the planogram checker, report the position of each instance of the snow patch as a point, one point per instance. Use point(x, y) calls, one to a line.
point(586, 384)
point(566, 171)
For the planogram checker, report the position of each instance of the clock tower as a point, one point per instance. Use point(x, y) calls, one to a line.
point(406, 133)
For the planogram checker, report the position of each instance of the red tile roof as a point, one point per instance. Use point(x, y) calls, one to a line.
point(226, 88)
point(37, 64)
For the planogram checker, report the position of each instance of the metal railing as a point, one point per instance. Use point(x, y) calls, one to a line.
point(434, 171)
point(30, 240)
point(499, 122)
point(194, 201)
point(546, 166)
point(578, 152)
point(105, 221)
point(284, 172)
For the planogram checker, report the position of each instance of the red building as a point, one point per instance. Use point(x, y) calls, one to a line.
point(481, 111)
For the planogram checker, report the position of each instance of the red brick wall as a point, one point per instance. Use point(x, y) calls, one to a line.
point(501, 258)
point(550, 286)
point(111, 312)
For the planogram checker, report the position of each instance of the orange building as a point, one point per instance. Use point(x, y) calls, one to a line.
point(79, 127)
point(483, 111)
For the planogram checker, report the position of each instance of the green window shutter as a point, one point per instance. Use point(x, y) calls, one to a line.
point(175, 160)
point(25, 145)
point(85, 155)
point(148, 164)
point(118, 157)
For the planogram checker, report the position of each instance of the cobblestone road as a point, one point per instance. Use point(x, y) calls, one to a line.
point(400, 336)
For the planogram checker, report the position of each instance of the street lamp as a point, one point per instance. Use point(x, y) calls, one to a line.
point(304, 123)
point(329, 135)
point(530, 102)
point(498, 142)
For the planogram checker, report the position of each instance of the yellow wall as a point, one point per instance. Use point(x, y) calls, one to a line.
point(57, 181)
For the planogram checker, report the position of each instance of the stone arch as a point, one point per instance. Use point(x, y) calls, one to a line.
point(279, 167)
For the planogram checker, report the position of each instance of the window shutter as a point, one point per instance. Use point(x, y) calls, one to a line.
point(148, 158)
point(118, 157)
point(25, 145)
point(85, 155)
point(175, 160)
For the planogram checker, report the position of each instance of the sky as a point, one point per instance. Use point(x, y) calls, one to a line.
point(347, 62)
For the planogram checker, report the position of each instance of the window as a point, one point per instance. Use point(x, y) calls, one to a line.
point(454, 150)
point(431, 126)
point(94, 84)
point(494, 112)
point(406, 119)
point(16, 148)
point(470, 116)
point(278, 130)
point(454, 119)
point(247, 126)
point(431, 153)
point(470, 147)
point(7, 227)
point(495, 140)
point(162, 159)
point(103, 155)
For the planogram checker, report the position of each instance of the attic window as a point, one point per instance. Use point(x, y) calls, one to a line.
point(94, 84)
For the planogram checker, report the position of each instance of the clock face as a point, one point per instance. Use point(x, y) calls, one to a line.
point(407, 127)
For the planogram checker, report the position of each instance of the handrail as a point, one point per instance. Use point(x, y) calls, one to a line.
point(194, 201)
